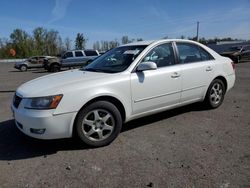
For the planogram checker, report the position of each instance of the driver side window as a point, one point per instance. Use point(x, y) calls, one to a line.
point(162, 55)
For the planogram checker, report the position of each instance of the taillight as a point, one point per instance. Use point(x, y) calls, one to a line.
point(233, 65)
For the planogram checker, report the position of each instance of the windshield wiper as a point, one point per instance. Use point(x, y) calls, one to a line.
point(99, 70)
point(93, 70)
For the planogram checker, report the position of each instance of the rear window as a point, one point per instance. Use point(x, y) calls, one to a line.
point(190, 53)
point(78, 54)
point(90, 53)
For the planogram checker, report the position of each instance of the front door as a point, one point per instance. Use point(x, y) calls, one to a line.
point(155, 89)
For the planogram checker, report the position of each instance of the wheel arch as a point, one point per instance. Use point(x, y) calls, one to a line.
point(54, 63)
point(220, 77)
point(223, 79)
point(107, 98)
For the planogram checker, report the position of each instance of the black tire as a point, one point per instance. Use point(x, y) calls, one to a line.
point(54, 68)
point(215, 94)
point(23, 68)
point(108, 116)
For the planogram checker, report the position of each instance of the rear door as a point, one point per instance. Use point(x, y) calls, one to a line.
point(79, 58)
point(197, 70)
point(40, 62)
point(33, 62)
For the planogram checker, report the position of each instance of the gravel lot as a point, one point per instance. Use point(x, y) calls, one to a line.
point(186, 147)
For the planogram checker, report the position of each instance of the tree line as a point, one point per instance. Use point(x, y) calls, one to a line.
point(49, 42)
point(107, 45)
point(40, 42)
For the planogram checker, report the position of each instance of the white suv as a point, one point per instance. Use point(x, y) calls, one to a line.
point(78, 57)
point(128, 82)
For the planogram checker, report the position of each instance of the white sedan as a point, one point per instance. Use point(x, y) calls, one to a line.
point(127, 82)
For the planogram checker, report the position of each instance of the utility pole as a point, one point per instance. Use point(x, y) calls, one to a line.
point(197, 35)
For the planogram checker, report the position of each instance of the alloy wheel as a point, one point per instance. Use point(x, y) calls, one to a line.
point(216, 93)
point(98, 125)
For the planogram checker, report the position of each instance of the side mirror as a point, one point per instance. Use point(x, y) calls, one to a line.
point(149, 65)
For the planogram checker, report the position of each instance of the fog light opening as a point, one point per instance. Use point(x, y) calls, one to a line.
point(37, 131)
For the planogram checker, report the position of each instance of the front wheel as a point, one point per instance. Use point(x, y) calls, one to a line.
point(215, 94)
point(99, 123)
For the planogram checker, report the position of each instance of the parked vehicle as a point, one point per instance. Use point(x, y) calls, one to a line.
point(52, 64)
point(73, 58)
point(238, 53)
point(78, 57)
point(32, 62)
point(126, 83)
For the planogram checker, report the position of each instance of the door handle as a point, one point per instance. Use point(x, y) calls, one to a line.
point(175, 75)
point(209, 68)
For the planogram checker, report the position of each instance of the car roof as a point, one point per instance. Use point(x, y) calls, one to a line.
point(148, 42)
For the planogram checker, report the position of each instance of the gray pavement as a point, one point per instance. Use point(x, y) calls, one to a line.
point(185, 147)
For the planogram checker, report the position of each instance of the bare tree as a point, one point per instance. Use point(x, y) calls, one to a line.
point(67, 43)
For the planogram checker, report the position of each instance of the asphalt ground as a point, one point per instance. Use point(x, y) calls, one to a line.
point(186, 147)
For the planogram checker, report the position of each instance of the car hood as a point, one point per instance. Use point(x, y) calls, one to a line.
point(55, 83)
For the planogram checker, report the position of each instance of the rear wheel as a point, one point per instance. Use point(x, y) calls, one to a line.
point(215, 94)
point(23, 68)
point(99, 123)
point(55, 68)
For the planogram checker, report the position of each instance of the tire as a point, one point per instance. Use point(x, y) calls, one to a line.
point(98, 124)
point(215, 94)
point(54, 68)
point(23, 68)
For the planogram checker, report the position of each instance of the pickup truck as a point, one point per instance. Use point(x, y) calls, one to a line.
point(72, 58)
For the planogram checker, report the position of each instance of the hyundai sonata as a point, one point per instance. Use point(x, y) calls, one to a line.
point(127, 82)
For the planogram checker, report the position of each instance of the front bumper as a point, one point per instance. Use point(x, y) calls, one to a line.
point(54, 126)
point(17, 66)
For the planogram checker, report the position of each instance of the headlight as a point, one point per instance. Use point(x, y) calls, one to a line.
point(43, 103)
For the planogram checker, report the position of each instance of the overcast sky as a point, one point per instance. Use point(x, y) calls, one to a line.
point(111, 19)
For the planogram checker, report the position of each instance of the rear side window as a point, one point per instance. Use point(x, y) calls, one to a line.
point(190, 53)
point(90, 53)
point(205, 56)
point(78, 54)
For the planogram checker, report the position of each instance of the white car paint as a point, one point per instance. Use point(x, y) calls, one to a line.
point(141, 93)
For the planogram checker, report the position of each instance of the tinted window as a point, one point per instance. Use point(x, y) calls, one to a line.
point(205, 55)
point(162, 55)
point(68, 54)
point(78, 54)
point(90, 53)
point(116, 60)
point(189, 53)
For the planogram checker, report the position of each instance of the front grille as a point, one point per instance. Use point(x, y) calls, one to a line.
point(16, 101)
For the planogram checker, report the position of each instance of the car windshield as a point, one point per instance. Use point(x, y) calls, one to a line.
point(115, 60)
